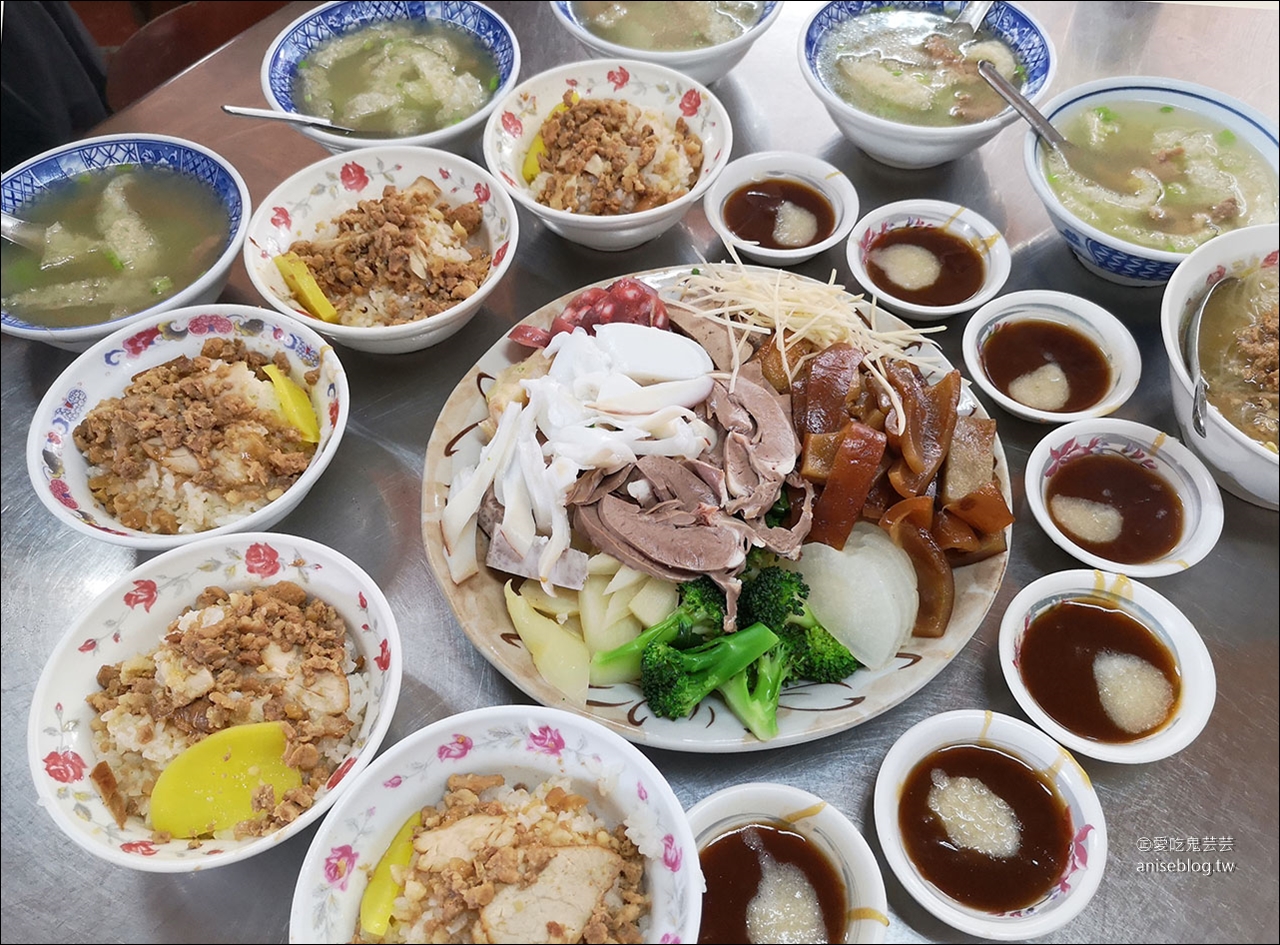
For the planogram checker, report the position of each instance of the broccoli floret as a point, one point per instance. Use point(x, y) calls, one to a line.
point(674, 681)
point(752, 695)
point(779, 598)
point(701, 609)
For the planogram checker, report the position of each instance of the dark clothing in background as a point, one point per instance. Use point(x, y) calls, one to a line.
point(52, 78)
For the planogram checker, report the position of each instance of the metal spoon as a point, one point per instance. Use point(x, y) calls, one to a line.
point(21, 232)
point(1191, 351)
point(970, 18)
point(289, 117)
point(1112, 172)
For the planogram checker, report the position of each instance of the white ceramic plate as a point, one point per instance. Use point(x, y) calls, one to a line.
point(807, 712)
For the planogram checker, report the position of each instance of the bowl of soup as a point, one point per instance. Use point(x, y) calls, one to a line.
point(425, 74)
point(703, 39)
point(1237, 356)
point(135, 225)
point(990, 824)
point(1107, 666)
point(1052, 357)
point(927, 260)
point(1204, 164)
point(1125, 497)
point(903, 86)
point(781, 208)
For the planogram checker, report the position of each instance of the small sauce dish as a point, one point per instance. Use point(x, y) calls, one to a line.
point(927, 260)
point(773, 175)
point(1062, 694)
point(953, 739)
point(1079, 481)
point(795, 812)
point(1045, 346)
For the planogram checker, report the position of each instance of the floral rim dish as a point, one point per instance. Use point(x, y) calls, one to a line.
point(297, 41)
point(1093, 321)
point(129, 618)
point(318, 193)
point(1088, 854)
point(961, 222)
point(32, 177)
point(817, 821)
point(1152, 449)
point(525, 743)
point(59, 471)
point(807, 712)
point(1154, 611)
point(827, 179)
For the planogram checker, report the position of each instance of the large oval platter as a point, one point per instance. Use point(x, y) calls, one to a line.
point(808, 711)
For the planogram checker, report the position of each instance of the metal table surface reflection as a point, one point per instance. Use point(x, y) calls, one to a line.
point(367, 506)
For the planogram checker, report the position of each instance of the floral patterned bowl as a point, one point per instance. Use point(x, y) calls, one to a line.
point(1156, 452)
point(59, 471)
point(1196, 676)
point(958, 221)
point(129, 618)
point(518, 119)
point(1086, 859)
point(317, 194)
point(524, 743)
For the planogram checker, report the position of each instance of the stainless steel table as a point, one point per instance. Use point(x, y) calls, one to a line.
point(366, 505)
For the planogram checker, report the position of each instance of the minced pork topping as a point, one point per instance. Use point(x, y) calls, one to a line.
point(235, 658)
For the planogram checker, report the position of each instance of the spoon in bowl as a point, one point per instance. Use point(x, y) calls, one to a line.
point(1113, 172)
point(21, 232)
point(970, 18)
point(1191, 351)
point(291, 118)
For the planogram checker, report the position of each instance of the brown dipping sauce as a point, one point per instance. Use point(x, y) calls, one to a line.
point(1056, 663)
point(731, 868)
point(968, 876)
point(962, 267)
point(751, 212)
point(1017, 348)
point(1149, 506)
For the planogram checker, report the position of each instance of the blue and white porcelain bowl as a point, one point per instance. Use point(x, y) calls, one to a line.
point(1110, 257)
point(916, 146)
point(527, 744)
point(298, 41)
point(32, 178)
point(705, 64)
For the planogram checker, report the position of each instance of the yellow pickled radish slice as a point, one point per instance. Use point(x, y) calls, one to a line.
point(295, 403)
point(304, 287)
point(210, 786)
point(381, 893)
point(530, 169)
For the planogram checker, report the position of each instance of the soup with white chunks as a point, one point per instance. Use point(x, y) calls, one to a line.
point(1195, 178)
point(117, 241)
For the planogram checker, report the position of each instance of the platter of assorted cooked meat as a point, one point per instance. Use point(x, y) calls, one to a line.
point(716, 508)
